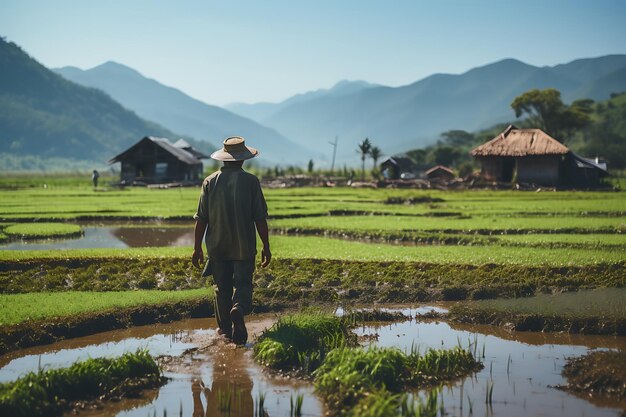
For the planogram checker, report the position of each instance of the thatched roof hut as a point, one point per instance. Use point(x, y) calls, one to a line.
point(520, 142)
point(533, 156)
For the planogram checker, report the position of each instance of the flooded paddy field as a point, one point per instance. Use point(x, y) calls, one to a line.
point(210, 377)
point(118, 236)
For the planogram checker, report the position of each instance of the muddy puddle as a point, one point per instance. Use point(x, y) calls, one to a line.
point(114, 236)
point(523, 367)
point(205, 373)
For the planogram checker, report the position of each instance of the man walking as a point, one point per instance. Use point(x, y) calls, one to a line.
point(231, 207)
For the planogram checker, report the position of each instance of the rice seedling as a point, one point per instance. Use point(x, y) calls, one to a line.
point(301, 340)
point(295, 406)
point(259, 406)
point(42, 230)
point(50, 392)
point(34, 307)
point(348, 375)
point(489, 393)
point(224, 400)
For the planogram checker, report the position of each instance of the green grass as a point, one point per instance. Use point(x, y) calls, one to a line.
point(600, 310)
point(42, 230)
point(50, 392)
point(300, 341)
point(484, 224)
point(19, 308)
point(349, 376)
point(323, 248)
point(284, 247)
point(566, 240)
point(64, 201)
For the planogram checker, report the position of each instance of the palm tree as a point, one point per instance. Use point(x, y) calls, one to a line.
point(375, 154)
point(364, 149)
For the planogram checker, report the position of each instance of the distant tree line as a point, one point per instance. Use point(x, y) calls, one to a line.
point(588, 128)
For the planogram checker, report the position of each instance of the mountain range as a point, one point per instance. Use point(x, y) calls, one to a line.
point(43, 115)
point(412, 116)
point(48, 115)
point(181, 113)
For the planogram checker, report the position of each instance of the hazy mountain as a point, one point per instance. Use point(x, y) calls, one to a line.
point(181, 113)
point(44, 115)
point(260, 112)
point(414, 115)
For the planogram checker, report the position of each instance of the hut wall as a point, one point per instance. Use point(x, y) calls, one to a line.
point(152, 164)
point(491, 168)
point(540, 169)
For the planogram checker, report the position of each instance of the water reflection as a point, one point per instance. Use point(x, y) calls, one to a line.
point(522, 367)
point(230, 392)
point(113, 237)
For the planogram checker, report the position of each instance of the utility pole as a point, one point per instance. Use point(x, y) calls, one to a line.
point(332, 166)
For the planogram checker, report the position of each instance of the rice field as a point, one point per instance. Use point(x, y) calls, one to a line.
point(36, 307)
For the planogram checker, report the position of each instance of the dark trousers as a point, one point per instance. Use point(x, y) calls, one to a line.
point(233, 288)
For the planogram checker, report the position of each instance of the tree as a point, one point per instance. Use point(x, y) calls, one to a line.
point(458, 138)
point(364, 149)
point(310, 166)
point(546, 110)
point(375, 154)
point(444, 155)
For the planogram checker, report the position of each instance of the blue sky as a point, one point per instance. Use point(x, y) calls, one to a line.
point(264, 50)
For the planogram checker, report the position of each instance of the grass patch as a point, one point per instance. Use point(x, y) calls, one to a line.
point(300, 342)
point(295, 281)
point(18, 308)
point(483, 224)
point(284, 247)
point(51, 392)
point(592, 240)
point(42, 230)
point(352, 381)
point(597, 374)
point(599, 311)
point(356, 381)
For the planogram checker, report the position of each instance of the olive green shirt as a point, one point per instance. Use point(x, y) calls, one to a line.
point(231, 201)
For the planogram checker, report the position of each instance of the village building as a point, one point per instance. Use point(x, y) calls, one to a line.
point(534, 157)
point(397, 167)
point(155, 160)
point(439, 173)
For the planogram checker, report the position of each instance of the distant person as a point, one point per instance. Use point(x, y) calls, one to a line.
point(231, 206)
point(94, 178)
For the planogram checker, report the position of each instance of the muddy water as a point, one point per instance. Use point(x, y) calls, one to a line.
point(114, 237)
point(523, 367)
point(204, 371)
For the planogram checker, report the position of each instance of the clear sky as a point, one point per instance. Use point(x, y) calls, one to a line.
point(265, 50)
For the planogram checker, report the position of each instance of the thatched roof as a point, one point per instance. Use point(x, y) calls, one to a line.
point(521, 142)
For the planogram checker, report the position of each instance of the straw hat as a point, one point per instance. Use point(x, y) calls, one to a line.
point(234, 149)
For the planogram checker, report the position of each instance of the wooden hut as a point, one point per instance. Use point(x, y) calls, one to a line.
point(394, 166)
point(533, 156)
point(439, 173)
point(155, 160)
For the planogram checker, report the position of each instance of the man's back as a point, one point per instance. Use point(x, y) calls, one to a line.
point(230, 203)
